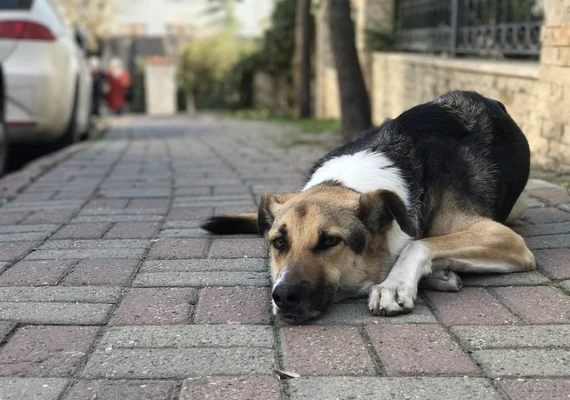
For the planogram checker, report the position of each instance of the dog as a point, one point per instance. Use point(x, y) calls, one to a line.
point(419, 198)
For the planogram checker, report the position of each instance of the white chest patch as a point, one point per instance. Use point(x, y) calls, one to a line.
point(365, 172)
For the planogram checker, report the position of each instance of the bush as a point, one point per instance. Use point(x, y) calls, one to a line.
point(206, 64)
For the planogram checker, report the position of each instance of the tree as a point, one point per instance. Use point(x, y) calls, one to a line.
point(354, 102)
point(97, 16)
point(303, 44)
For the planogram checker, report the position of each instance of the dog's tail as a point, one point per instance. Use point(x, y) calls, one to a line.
point(232, 224)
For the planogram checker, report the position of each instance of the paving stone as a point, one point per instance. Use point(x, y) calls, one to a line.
point(55, 313)
point(155, 306)
point(34, 273)
point(191, 202)
point(186, 233)
point(150, 363)
point(36, 196)
point(190, 213)
point(182, 224)
point(150, 203)
point(179, 248)
point(94, 244)
point(231, 209)
point(537, 305)
point(231, 189)
point(537, 389)
point(32, 388)
point(187, 336)
point(50, 217)
point(238, 248)
point(112, 218)
point(211, 278)
point(5, 328)
point(80, 194)
point(470, 306)
point(13, 250)
point(193, 191)
point(49, 228)
point(553, 196)
point(376, 388)
point(554, 228)
point(81, 231)
point(106, 204)
point(10, 218)
point(124, 390)
point(356, 313)
point(236, 264)
point(120, 212)
point(86, 253)
point(505, 336)
point(534, 183)
point(548, 242)
point(556, 262)
point(3, 266)
point(46, 351)
point(419, 350)
point(523, 362)
point(25, 236)
point(114, 193)
point(514, 279)
point(243, 387)
point(45, 206)
point(112, 272)
point(231, 305)
point(331, 350)
point(546, 215)
point(132, 230)
point(60, 294)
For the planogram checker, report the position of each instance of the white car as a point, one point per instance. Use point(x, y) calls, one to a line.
point(45, 83)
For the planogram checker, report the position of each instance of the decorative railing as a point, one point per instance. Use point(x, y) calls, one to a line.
point(483, 27)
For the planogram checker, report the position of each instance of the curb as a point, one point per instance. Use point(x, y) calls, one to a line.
point(15, 182)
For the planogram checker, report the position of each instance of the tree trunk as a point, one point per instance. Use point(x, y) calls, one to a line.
point(354, 102)
point(303, 57)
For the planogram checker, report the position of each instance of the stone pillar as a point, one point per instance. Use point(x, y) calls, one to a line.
point(160, 86)
point(551, 147)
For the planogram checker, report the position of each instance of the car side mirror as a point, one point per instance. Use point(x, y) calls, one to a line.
point(81, 38)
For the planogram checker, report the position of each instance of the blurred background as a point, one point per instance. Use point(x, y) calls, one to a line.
point(68, 66)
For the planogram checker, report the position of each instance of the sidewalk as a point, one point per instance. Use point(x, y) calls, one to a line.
point(109, 289)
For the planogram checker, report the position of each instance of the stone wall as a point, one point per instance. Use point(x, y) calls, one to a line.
point(536, 94)
point(551, 136)
point(401, 81)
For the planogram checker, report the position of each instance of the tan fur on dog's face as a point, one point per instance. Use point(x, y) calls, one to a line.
point(320, 242)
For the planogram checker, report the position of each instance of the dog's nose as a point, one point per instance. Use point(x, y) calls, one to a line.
point(287, 296)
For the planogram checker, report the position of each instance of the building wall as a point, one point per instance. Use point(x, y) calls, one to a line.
point(536, 94)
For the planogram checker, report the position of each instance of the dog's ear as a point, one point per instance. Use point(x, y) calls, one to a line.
point(268, 205)
point(381, 207)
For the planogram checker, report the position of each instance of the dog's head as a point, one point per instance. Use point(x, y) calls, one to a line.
point(325, 240)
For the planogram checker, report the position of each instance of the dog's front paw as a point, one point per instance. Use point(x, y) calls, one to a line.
point(392, 298)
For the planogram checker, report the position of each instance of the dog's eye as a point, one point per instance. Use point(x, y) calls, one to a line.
point(330, 241)
point(278, 243)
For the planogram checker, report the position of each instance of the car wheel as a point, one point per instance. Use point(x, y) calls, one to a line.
point(72, 134)
point(3, 150)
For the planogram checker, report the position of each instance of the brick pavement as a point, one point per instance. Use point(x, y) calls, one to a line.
point(109, 289)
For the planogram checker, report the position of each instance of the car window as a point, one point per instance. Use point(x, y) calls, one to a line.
point(16, 4)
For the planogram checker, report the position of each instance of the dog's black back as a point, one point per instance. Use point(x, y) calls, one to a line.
point(461, 149)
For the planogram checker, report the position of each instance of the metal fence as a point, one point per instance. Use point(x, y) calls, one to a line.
point(483, 27)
